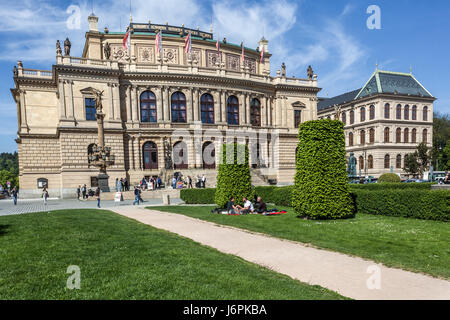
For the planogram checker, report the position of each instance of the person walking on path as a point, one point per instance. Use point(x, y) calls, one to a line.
point(97, 194)
point(189, 182)
point(78, 192)
point(136, 196)
point(45, 196)
point(14, 194)
point(84, 190)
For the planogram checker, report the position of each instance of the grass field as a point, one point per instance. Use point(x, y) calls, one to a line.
point(120, 258)
point(410, 244)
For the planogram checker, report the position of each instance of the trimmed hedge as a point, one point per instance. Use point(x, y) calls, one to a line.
point(198, 196)
point(233, 179)
point(420, 204)
point(389, 178)
point(391, 186)
point(321, 182)
point(400, 202)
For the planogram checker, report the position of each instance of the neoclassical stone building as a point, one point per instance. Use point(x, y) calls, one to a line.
point(384, 121)
point(156, 104)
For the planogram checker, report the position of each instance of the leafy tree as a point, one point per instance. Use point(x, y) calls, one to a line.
point(321, 188)
point(6, 176)
point(233, 179)
point(423, 157)
point(389, 178)
point(441, 138)
point(447, 155)
point(412, 164)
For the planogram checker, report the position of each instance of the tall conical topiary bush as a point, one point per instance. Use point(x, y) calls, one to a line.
point(321, 183)
point(234, 179)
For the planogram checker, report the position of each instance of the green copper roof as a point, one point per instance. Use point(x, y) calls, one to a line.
point(393, 83)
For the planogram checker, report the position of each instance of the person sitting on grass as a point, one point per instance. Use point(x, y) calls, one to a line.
point(260, 206)
point(231, 208)
point(248, 207)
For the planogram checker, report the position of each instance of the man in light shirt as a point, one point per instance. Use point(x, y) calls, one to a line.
point(248, 207)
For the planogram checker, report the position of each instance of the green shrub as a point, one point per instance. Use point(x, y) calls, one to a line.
point(409, 203)
point(391, 186)
point(198, 196)
point(389, 178)
point(234, 179)
point(321, 183)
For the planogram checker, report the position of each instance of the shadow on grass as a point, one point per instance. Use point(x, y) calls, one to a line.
point(3, 229)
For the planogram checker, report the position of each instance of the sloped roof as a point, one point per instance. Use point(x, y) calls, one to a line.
point(380, 82)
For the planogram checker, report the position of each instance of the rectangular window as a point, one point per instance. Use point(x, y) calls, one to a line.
point(297, 118)
point(89, 104)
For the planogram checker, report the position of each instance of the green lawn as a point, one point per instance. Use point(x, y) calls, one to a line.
point(410, 244)
point(120, 258)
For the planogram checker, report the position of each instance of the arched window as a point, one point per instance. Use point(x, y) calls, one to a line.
point(370, 162)
point(372, 112)
point(425, 136)
point(386, 135)
point(363, 114)
point(387, 161)
point(398, 135)
point(361, 163)
point(398, 162)
point(352, 117)
point(406, 117)
point(387, 111)
point(414, 113)
point(91, 111)
point(233, 110)
point(148, 107)
point(414, 136)
point(344, 117)
point(207, 108)
point(350, 139)
point(178, 107)
point(398, 112)
point(363, 137)
point(425, 113)
point(150, 155)
point(255, 113)
point(209, 155)
point(406, 136)
point(372, 135)
point(180, 155)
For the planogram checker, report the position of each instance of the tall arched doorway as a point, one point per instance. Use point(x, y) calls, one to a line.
point(180, 155)
point(150, 155)
point(209, 155)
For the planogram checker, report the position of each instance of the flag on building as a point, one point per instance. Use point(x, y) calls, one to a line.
point(127, 40)
point(188, 44)
point(218, 50)
point(243, 53)
point(158, 42)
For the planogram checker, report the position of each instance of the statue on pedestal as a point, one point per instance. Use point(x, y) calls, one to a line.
point(67, 46)
point(310, 73)
point(107, 50)
point(351, 169)
point(58, 48)
point(283, 70)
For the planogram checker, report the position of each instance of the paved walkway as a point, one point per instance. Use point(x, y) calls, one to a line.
point(346, 275)
point(36, 205)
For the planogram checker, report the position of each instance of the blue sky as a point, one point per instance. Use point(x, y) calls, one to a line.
point(331, 35)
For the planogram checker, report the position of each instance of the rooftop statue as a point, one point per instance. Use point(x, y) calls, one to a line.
point(67, 46)
point(310, 73)
point(58, 48)
point(283, 70)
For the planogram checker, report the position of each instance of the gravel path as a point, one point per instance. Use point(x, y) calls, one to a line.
point(352, 277)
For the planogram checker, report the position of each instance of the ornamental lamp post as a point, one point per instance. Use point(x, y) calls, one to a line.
point(101, 156)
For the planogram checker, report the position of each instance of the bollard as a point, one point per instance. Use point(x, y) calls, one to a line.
point(166, 199)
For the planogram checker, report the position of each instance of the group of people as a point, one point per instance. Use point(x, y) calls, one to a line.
point(179, 183)
point(122, 185)
point(150, 183)
point(259, 207)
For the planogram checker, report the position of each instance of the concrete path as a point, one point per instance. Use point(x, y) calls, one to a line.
point(350, 276)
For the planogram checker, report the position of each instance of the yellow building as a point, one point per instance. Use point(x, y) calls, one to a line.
point(163, 105)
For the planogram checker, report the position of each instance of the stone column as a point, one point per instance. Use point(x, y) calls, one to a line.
point(195, 104)
point(264, 112)
point(116, 100)
point(247, 110)
point(166, 104)
point(23, 112)
point(285, 113)
point(190, 106)
point(216, 97)
point(223, 104)
point(70, 113)
point(111, 102)
point(62, 100)
point(242, 108)
point(159, 105)
point(128, 103)
point(135, 112)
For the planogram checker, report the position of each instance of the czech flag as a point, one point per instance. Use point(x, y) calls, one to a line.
point(262, 55)
point(158, 42)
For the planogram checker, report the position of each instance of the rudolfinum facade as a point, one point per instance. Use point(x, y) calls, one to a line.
point(165, 112)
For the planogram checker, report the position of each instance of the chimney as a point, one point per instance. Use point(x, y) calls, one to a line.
point(93, 23)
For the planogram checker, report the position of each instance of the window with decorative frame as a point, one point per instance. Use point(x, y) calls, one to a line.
point(91, 111)
point(344, 117)
point(350, 139)
point(387, 111)
point(233, 110)
point(406, 113)
point(352, 116)
point(372, 135)
point(399, 112)
point(148, 106)
point(414, 113)
point(398, 162)
point(178, 107)
point(363, 114)
point(387, 133)
point(425, 136)
point(207, 108)
point(425, 113)
point(372, 112)
point(387, 161)
point(255, 113)
point(406, 135)
point(297, 118)
point(414, 136)
point(370, 162)
point(398, 135)
point(363, 137)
